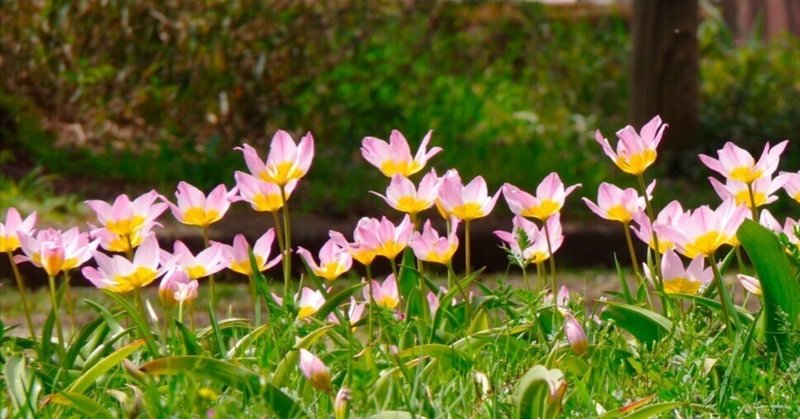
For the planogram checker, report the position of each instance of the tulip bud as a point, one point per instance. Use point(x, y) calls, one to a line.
point(341, 402)
point(315, 371)
point(575, 335)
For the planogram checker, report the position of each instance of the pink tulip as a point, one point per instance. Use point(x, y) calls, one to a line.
point(194, 208)
point(576, 337)
point(334, 260)
point(391, 239)
point(678, 280)
point(562, 299)
point(286, 161)
point(177, 288)
point(430, 247)
point(208, 262)
point(365, 242)
point(395, 157)
point(119, 243)
point(549, 199)
point(751, 284)
point(386, 294)
point(466, 202)
point(705, 230)
point(763, 190)
point(340, 403)
point(126, 218)
point(354, 313)
point(617, 204)
point(433, 302)
point(792, 185)
point(9, 241)
point(635, 151)
point(454, 176)
point(315, 371)
point(792, 230)
point(526, 233)
point(55, 251)
point(120, 275)
point(263, 196)
point(238, 255)
point(309, 302)
point(737, 164)
point(671, 215)
point(404, 197)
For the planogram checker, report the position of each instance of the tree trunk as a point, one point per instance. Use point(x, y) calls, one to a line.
point(665, 67)
point(770, 18)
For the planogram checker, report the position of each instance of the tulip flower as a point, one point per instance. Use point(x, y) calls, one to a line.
point(792, 185)
point(671, 215)
point(238, 255)
point(334, 260)
point(340, 403)
point(119, 243)
point(392, 239)
point(354, 313)
point(404, 197)
point(576, 337)
point(792, 230)
point(760, 192)
point(315, 371)
point(9, 241)
point(125, 218)
point(263, 196)
point(526, 233)
point(618, 204)
point(286, 161)
point(449, 174)
point(466, 202)
point(705, 230)
point(635, 151)
point(365, 242)
point(561, 299)
point(737, 164)
point(549, 199)
point(395, 157)
point(678, 280)
point(430, 247)
point(433, 302)
point(118, 274)
point(177, 288)
point(386, 294)
point(207, 262)
point(55, 251)
point(194, 208)
point(309, 302)
point(751, 284)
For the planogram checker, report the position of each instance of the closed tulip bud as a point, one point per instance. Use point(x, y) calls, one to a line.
point(315, 371)
point(341, 402)
point(575, 335)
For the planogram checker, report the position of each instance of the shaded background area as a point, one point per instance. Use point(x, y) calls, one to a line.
point(104, 97)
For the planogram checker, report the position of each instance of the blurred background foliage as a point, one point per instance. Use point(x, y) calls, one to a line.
point(152, 92)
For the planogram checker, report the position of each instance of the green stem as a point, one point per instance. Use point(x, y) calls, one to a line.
point(394, 268)
point(525, 278)
point(657, 254)
point(22, 296)
point(68, 302)
point(753, 208)
point(464, 295)
point(552, 258)
point(467, 266)
point(254, 301)
point(727, 310)
point(180, 311)
point(287, 242)
point(212, 299)
point(635, 263)
point(51, 280)
point(371, 302)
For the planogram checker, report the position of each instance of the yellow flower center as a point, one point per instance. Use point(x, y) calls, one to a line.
point(387, 301)
point(267, 202)
point(681, 286)
point(390, 249)
point(330, 271)
point(543, 211)
point(281, 173)
point(9, 243)
point(440, 257)
point(538, 257)
point(706, 244)
point(636, 164)
point(390, 168)
point(306, 311)
point(743, 197)
point(125, 227)
point(745, 174)
point(363, 256)
point(139, 278)
point(468, 211)
point(243, 266)
point(619, 213)
point(411, 205)
point(195, 272)
point(200, 216)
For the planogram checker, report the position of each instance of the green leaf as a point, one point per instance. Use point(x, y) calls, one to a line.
point(647, 326)
point(246, 340)
point(95, 372)
point(743, 314)
point(240, 323)
point(138, 320)
point(539, 393)
point(83, 404)
point(447, 353)
point(289, 360)
point(189, 339)
point(780, 290)
point(392, 414)
point(22, 385)
point(333, 301)
point(80, 341)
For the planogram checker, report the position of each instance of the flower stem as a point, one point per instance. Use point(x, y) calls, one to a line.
point(22, 295)
point(725, 299)
point(635, 263)
point(467, 304)
point(371, 301)
point(68, 302)
point(287, 242)
point(753, 207)
point(51, 280)
point(467, 267)
point(552, 258)
point(211, 294)
point(657, 254)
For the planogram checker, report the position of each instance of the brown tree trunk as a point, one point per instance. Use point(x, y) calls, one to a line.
point(665, 67)
point(771, 18)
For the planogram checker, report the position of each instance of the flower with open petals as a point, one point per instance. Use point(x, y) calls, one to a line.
point(194, 208)
point(309, 302)
point(393, 239)
point(120, 243)
point(177, 288)
point(678, 280)
point(55, 251)
point(618, 204)
point(125, 217)
point(705, 230)
point(404, 197)
point(549, 199)
point(9, 241)
point(528, 243)
point(386, 294)
point(334, 260)
point(365, 243)
point(738, 164)
point(354, 312)
point(635, 151)
point(208, 262)
point(394, 157)
point(792, 185)
point(466, 202)
point(286, 161)
point(576, 337)
point(672, 215)
point(238, 255)
point(430, 247)
point(763, 190)
point(263, 196)
point(315, 371)
point(118, 274)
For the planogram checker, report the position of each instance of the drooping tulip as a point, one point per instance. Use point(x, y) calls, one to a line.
point(262, 196)
point(616, 204)
point(125, 217)
point(194, 208)
point(403, 196)
point(118, 274)
point(55, 251)
point(315, 371)
point(466, 202)
point(395, 157)
point(738, 164)
point(238, 255)
point(430, 247)
point(9, 241)
point(705, 230)
point(549, 198)
point(635, 151)
point(334, 260)
point(286, 161)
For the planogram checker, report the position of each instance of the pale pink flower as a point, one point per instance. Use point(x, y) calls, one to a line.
point(121, 243)
point(124, 217)
point(315, 371)
point(738, 164)
point(466, 202)
point(429, 246)
point(404, 197)
point(635, 151)
point(433, 302)
point(562, 298)
point(354, 312)
point(454, 176)
point(395, 157)
point(286, 161)
point(263, 196)
point(705, 230)
point(208, 262)
point(792, 185)
point(9, 241)
point(671, 215)
point(549, 199)
point(526, 233)
point(766, 219)
point(792, 230)
point(176, 287)
point(118, 274)
point(618, 204)
point(194, 208)
point(680, 280)
point(365, 240)
point(576, 337)
point(55, 251)
point(751, 284)
point(308, 302)
point(340, 403)
point(392, 239)
point(334, 260)
point(238, 255)
point(763, 190)
point(386, 294)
